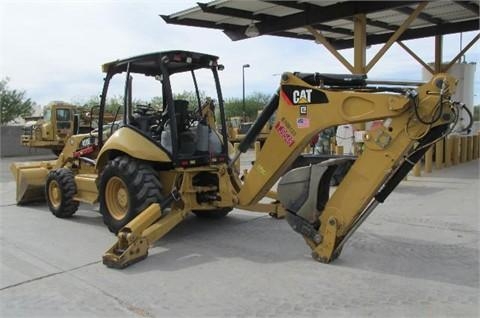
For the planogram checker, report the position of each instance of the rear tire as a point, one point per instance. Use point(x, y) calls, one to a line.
point(60, 189)
point(127, 186)
point(212, 214)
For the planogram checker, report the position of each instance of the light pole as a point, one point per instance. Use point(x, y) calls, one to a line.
point(243, 81)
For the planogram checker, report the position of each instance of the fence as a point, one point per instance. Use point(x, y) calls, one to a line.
point(10, 143)
point(449, 151)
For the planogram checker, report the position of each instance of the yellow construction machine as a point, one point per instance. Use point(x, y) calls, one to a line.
point(160, 166)
point(60, 121)
point(57, 124)
point(237, 128)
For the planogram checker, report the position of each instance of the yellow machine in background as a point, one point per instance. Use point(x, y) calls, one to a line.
point(160, 166)
point(60, 121)
point(238, 128)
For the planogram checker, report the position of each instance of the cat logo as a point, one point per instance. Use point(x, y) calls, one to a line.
point(303, 96)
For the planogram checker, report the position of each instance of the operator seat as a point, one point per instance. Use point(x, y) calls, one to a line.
point(181, 113)
point(186, 137)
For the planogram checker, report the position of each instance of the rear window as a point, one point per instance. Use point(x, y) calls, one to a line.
point(63, 114)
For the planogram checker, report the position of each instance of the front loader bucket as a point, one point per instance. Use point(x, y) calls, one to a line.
point(30, 178)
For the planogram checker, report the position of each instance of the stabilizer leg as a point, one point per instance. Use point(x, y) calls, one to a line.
point(131, 246)
point(135, 238)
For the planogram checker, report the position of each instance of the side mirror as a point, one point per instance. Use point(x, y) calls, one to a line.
point(220, 67)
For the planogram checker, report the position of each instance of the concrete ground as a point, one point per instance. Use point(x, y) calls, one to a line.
point(416, 256)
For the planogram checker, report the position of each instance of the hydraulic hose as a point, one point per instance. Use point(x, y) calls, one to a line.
point(257, 126)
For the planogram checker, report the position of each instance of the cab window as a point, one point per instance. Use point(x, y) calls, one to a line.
point(47, 114)
point(63, 114)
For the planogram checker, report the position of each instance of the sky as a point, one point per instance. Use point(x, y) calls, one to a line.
point(54, 49)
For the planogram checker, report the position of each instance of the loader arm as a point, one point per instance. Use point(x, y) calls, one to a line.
point(303, 111)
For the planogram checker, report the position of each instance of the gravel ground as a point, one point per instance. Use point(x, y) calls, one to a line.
point(416, 256)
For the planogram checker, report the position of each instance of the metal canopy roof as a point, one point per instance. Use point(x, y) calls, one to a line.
point(149, 64)
point(332, 18)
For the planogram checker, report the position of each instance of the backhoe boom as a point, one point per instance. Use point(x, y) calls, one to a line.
point(410, 117)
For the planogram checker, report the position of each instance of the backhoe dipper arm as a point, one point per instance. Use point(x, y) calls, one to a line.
point(303, 111)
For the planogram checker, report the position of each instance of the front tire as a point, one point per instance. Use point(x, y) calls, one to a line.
point(127, 187)
point(60, 189)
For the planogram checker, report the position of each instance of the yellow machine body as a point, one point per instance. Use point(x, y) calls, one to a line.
point(53, 129)
point(130, 142)
point(30, 177)
point(302, 110)
point(298, 118)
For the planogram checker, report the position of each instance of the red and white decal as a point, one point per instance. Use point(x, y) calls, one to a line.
point(285, 134)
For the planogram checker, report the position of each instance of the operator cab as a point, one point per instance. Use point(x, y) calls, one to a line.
point(180, 122)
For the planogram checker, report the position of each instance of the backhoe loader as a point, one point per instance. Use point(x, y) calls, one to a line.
point(60, 121)
point(161, 166)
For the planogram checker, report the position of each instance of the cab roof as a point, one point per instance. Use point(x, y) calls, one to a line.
point(149, 64)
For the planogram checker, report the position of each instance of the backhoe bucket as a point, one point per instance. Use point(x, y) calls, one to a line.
point(30, 178)
point(304, 192)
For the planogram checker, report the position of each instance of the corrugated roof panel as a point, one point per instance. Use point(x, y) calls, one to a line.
point(200, 15)
point(419, 23)
point(327, 34)
point(343, 37)
point(322, 3)
point(437, 6)
point(382, 15)
point(343, 23)
point(301, 30)
point(450, 16)
point(278, 11)
point(445, 10)
point(250, 5)
point(454, 16)
point(236, 21)
point(374, 29)
point(400, 18)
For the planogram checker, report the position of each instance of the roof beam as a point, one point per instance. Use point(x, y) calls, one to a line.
point(290, 4)
point(232, 12)
point(199, 23)
point(296, 36)
point(462, 52)
point(380, 24)
point(236, 35)
point(396, 35)
point(244, 14)
point(471, 6)
point(324, 27)
point(319, 38)
point(422, 15)
point(416, 57)
point(447, 28)
point(316, 14)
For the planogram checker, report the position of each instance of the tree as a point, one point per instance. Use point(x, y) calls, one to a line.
point(14, 103)
point(253, 103)
point(476, 113)
point(113, 103)
point(191, 97)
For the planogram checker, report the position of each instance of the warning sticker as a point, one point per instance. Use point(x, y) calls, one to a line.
point(285, 134)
